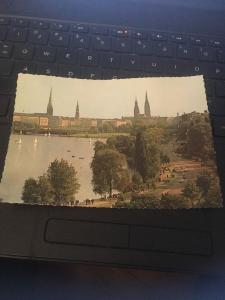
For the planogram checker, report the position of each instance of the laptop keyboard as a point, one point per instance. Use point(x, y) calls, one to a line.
point(103, 52)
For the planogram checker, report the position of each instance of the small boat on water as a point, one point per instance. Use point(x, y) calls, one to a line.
point(49, 134)
point(81, 157)
point(35, 141)
point(68, 150)
point(73, 156)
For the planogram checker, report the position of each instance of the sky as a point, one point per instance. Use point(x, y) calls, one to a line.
point(110, 98)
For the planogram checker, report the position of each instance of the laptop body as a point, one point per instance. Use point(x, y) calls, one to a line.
point(184, 240)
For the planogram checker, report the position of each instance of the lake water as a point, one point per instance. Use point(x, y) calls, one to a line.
point(32, 156)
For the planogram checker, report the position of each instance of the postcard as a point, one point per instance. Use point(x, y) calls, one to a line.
point(128, 143)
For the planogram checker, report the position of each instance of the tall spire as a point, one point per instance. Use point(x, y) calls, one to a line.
point(77, 115)
point(136, 109)
point(50, 107)
point(147, 107)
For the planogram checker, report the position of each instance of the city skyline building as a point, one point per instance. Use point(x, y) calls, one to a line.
point(50, 106)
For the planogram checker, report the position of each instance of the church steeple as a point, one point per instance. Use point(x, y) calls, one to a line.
point(136, 109)
point(77, 115)
point(147, 107)
point(50, 107)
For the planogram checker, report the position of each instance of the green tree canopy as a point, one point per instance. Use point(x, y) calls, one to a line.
point(109, 171)
point(147, 158)
point(125, 145)
point(195, 133)
point(63, 179)
point(31, 192)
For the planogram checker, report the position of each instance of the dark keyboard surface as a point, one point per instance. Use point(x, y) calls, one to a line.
point(66, 49)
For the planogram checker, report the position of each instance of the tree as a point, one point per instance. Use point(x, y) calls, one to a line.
point(195, 134)
point(164, 158)
point(145, 201)
point(203, 182)
point(191, 192)
point(169, 201)
point(108, 167)
point(125, 145)
point(45, 190)
point(137, 181)
point(31, 192)
point(147, 160)
point(64, 181)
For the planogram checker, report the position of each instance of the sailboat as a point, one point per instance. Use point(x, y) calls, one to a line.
point(49, 134)
point(35, 141)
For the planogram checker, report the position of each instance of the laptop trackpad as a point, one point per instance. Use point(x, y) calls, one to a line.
point(87, 233)
point(141, 238)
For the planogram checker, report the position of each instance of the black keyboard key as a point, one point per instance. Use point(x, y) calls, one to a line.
point(178, 38)
point(220, 88)
point(6, 67)
point(101, 30)
point(65, 56)
point(3, 32)
point(219, 126)
point(216, 43)
point(80, 40)
point(88, 59)
point(38, 36)
point(25, 67)
point(5, 101)
point(176, 67)
point(197, 41)
point(153, 65)
point(206, 53)
point(111, 61)
point(7, 86)
point(110, 74)
point(59, 39)
point(47, 69)
point(185, 52)
point(196, 68)
point(91, 73)
point(60, 26)
point(121, 45)
point(143, 47)
point(39, 24)
point(216, 106)
point(158, 36)
point(134, 74)
point(164, 49)
point(20, 22)
point(210, 87)
point(101, 43)
point(80, 28)
point(221, 56)
point(121, 32)
point(46, 54)
point(5, 50)
point(216, 71)
point(131, 62)
point(17, 34)
point(24, 52)
point(68, 71)
point(140, 34)
point(4, 21)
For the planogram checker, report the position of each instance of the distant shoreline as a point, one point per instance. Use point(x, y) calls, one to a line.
point(79, 135)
